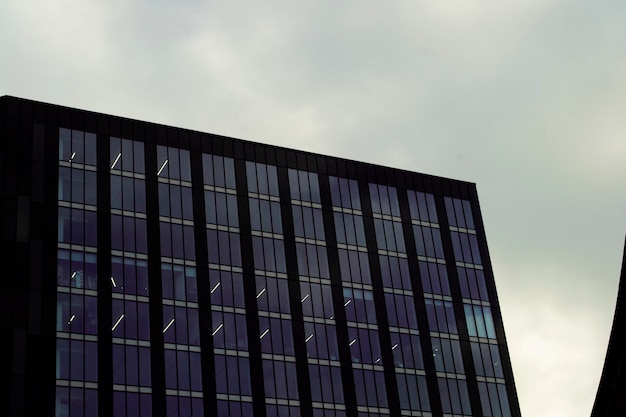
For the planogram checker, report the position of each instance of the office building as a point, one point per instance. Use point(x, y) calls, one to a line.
point(157, 271)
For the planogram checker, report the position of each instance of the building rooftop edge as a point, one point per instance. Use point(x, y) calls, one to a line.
point(252, 142)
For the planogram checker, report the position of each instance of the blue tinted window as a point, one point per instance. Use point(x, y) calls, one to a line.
point(229, 331)
point(344, 193)
point(422, 206)
point(354, 266)
point(479, 321)
point(226, 288)
point(224, 247)
point(434, 278)
point(218, 171)
point(440, 316)
point(447, 355)
point(269, 254)
point(316, 300)
point(428, 242)
point(407, 351)
point(395, 272)
point(359, 305)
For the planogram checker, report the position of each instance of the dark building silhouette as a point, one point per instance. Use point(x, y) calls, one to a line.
point(157, 271)
point(610, 399)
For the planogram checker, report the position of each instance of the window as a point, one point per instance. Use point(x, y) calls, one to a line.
point(304, 186)
point(173, 163)
point(345, 193)
point(407, 351)
point(434, 278)
point(459, 213)
point(473, 284)
point(465, 247)
point(218, 171)
point(401, 311)
point(422, 207)
point(269, 254)
point(447, 355)
point(479, 321)
point(359, 305)
point(262, 179)
point(389, 235)
point(454, 396)
point(440, 316)
point(364, 346)
point(321, 341)
point(354, 266)
point(428, 242)
point(395, 272)
point(413, 392)
point(312, 261)
point(384, 200)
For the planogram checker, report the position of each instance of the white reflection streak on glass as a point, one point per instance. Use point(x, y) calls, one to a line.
point(71, 319)
point(119, 155)
point(113, 282)
point(260, 293)
point(218, 329)
point(162, 166)
point(305, 297)
point(347, 302)
point(168, 325)
point(215, 287)
point(308, 338)
point(72, 157)
point(264, 333)
point(351, 343)
point(117, 322)
point(394, 346)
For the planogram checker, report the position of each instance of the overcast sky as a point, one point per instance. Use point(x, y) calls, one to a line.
point(524, 98)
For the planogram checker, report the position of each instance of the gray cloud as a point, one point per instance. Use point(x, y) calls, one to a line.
point(524, 99)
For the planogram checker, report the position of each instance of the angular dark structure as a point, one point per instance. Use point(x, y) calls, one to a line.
point(610, 399)
point(156, 271)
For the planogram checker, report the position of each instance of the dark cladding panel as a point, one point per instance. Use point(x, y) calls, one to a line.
point(217, 144)
point(115, 126)
point(321, 164)
point(281, 157)
point(183, 139)
point(238, 150)
point(311, 163)
point(291, 159)
point(270, 155)
point(249, 152)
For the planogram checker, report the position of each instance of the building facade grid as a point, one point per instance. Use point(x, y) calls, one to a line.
point(201, 275)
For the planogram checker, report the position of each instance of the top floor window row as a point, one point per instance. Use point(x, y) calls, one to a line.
point(262, 179)
point(76, 146)
point(173, 163)
point(422, 206)
point(126, 155)
point(384, 200)
point(344, 193)
point(304, 186)
point(459, 213)
point(218, 171)
point(79, 147)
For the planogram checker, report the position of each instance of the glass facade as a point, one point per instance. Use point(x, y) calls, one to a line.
point(351, 209)
point(131, 341)
point(217, 277)
point(77, 288)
